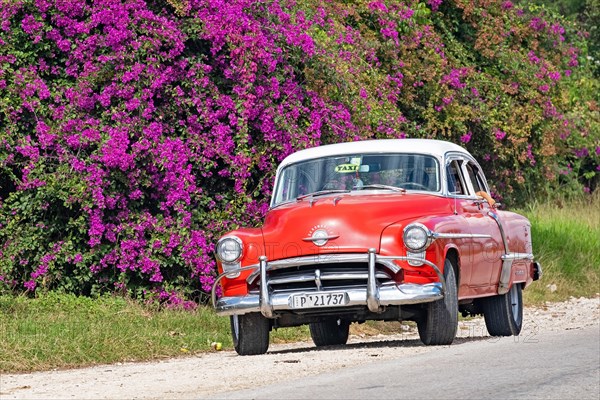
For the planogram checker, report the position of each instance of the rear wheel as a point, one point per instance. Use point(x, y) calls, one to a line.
point(438, 325)
point(329, 332)
point(250, 333)
point(504, 313)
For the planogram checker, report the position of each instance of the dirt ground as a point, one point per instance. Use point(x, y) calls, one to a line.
point(212, 374)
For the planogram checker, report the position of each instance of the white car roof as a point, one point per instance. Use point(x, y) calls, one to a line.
point(437, 148)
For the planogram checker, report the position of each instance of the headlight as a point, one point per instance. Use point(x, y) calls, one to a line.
point(417, 237)
point(229, 249)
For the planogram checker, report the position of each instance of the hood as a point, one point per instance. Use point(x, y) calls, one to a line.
point(353, 222)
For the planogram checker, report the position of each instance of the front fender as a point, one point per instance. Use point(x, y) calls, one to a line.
point(392, 243)
point(253, 248)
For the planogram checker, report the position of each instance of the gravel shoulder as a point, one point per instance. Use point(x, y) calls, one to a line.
point(211, 374)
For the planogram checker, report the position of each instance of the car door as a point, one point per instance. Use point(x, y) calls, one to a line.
point(487, 249)
point(457, 192)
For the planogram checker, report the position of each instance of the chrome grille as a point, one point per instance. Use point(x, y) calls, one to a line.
point(323, 277)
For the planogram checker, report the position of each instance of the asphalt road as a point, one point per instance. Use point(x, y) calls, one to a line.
point(553, 365)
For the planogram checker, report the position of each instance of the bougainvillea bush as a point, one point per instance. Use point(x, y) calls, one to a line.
point(133, 133)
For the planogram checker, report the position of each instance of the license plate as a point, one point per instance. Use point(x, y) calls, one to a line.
point(319, 300)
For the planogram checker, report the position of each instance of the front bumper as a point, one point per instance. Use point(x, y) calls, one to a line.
point(373, 296)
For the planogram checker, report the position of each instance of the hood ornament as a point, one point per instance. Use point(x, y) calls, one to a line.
point(319, 236)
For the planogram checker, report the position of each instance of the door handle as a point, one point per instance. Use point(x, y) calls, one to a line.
point(479, 203)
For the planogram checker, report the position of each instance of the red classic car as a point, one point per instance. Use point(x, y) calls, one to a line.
point(376, 230)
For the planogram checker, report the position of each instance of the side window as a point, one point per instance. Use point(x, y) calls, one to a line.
point(471, 171)
point(456, 184)
point(475, 177)
point(481, 180)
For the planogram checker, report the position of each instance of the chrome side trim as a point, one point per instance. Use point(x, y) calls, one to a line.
point(432, 236)
point(436, 235)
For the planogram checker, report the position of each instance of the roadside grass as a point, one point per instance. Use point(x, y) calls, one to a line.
point(62, 331)
point(566, 241)
point(56, 331)
point(66, 331)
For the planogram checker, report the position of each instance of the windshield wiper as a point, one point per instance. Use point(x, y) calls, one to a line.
point(322, 192)
point(378, 186)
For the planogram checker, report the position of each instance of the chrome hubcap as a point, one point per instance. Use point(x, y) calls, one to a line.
point(236, 326)
point(515, 304)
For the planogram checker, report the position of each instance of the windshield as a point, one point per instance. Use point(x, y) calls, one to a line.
point(357, 172)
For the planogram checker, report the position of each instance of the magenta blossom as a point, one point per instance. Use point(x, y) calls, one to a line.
point(434, 4)
point(500, 135)
point(581, 153)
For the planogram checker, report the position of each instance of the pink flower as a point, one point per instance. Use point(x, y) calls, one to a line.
point(466, 138)
point(581, 153)
point(499, 134)
point(435, 4)
point(507, 5)
point(453, 79)
point(530, 155)
point(377, 5)
point(532, 57)
point(537, 24)
point(555, 76)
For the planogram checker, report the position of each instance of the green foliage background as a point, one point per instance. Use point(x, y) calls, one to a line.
point(517, 84)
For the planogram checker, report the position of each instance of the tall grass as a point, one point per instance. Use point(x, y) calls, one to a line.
point(566, 241)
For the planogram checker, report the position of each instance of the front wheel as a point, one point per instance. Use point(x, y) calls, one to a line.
point(439, 324)
point(504, 313)
point(250, 333)
point(329, 332)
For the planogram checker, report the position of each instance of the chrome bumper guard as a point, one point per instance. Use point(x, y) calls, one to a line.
point(374, 296)
point(537, 271)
